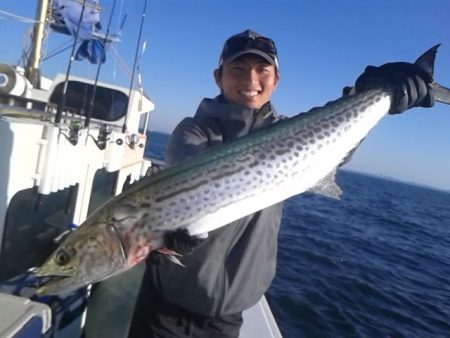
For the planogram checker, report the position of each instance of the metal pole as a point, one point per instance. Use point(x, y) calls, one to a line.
point(32, 71)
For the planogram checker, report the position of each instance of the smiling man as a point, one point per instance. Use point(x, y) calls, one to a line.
point(230, 269)
point(233, 266)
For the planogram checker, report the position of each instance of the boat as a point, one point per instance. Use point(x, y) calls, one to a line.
point(68, 144)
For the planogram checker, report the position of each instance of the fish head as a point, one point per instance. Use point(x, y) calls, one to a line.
point(89, 254)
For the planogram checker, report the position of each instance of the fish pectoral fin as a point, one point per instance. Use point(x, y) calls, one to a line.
point(171, 255)
point(175, 260)
point(166, 251)
point(328, 187)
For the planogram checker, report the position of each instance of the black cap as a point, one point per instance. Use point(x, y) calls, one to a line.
point(249, 42)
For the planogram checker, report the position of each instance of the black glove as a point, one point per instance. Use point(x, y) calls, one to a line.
point(181, 242)
point(409, 83)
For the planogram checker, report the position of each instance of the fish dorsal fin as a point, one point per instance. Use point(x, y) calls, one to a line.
point(327, 187)
point(426, 60)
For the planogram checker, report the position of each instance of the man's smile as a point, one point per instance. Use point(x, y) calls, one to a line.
point(249, 93)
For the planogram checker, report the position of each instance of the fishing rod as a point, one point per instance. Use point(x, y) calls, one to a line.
point(62, 101)
point(94, 90)
point(124, 128)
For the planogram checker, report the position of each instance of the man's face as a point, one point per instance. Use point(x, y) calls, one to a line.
point(248, 81)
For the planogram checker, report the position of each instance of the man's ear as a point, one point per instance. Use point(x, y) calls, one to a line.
point(277, 78)
point(218, 77)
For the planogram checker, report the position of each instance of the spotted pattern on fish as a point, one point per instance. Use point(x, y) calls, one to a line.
point(247, 168)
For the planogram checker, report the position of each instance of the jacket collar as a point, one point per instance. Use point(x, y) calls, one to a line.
point(235, 120)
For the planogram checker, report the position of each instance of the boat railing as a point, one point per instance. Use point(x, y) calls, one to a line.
point(26, 102)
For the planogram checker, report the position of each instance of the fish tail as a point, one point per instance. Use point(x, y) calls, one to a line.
point(426, 63)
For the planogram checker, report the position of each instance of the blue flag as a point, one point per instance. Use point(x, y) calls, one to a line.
point(93, 50)
point(66, 18)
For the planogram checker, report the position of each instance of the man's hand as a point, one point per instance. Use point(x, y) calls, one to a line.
point(181, 242)
point(408, 81)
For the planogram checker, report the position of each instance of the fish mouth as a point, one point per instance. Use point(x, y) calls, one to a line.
point(49, 277)
point(54, 284)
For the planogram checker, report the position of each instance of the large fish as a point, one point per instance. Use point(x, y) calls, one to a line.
point(219, 186)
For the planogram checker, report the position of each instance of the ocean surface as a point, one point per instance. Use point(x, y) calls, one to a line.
point(374, 264)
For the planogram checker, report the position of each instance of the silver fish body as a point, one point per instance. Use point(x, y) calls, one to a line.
point(215, 188)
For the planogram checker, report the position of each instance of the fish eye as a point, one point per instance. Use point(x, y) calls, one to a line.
point(62, 257)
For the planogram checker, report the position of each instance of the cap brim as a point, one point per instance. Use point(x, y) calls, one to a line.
point(265, 56)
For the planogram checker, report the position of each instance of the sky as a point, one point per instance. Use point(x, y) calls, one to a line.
point(323, 45)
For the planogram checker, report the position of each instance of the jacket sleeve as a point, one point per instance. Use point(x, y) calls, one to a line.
point(187, 140)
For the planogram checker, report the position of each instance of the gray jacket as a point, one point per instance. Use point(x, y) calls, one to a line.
point(233, 267)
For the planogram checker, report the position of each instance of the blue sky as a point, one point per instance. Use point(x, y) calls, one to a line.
point(323, 46)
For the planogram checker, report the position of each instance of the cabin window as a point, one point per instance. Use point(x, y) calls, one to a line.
point(143, 123)
point(109, 104)
point(32, 222)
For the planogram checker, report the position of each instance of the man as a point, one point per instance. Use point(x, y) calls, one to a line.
point(229, 269)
